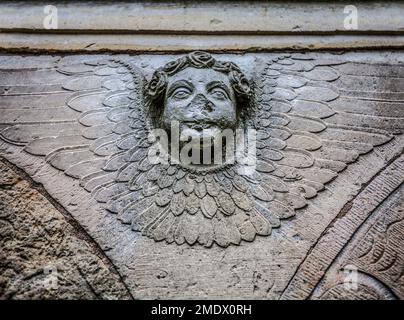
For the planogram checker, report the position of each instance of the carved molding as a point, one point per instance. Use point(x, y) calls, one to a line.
point(342, 229)
point(178, 26)
point(375, 254)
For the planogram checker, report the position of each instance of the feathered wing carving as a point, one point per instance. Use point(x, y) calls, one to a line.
point(86, 119)
point(313, 118)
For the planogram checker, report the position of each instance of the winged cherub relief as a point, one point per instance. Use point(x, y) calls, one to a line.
point(311, 120)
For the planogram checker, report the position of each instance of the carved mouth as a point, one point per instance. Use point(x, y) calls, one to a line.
point(200, 125)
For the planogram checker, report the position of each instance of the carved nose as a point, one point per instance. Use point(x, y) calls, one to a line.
point(202, 103)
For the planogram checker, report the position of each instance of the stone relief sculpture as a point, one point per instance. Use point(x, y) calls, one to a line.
point(310, 123)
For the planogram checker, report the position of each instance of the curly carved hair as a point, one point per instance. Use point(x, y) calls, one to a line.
point(156, 87)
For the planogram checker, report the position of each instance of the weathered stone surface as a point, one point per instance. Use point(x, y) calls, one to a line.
point(330, 144)
point(44, 256)
point(205, 16)
point(376, 252)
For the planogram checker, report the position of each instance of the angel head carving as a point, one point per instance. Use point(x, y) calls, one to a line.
point(203, 94)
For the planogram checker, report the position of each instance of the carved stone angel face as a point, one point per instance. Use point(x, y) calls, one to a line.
point(202, 101)
point(203, 95)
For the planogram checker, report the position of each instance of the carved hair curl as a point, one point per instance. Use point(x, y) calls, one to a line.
point(157, 85)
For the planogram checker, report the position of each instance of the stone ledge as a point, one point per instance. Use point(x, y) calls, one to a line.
point(207, 25)
point(82, 43)
point(205, 16)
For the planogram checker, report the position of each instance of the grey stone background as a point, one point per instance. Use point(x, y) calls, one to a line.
point(357, 221)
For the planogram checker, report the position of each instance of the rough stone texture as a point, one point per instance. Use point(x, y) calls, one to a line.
point(36, 239)
point(300, 259)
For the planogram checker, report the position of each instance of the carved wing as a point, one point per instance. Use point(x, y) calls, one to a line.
point(89, 120)
point(80, 118)
point(313, 118)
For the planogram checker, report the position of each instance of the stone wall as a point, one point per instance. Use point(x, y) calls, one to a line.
point(44, 253)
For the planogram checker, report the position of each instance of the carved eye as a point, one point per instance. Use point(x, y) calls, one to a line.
point(218, 93)
point(181, 93)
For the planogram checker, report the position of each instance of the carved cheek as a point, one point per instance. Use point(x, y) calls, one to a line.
point(225, 113)
point(174, 109)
